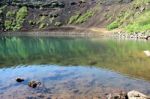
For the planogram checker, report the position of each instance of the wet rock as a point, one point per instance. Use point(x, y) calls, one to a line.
point(147, 53)
point(147, 38)
point(34, 84)
point(137, 95)
point(19, 79)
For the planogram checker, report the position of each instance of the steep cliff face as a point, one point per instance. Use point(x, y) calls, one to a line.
point(45, 14)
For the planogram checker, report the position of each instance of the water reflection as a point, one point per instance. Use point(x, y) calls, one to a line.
point(126, 57)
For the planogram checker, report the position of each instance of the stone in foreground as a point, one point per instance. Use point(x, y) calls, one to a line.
point(137, 95)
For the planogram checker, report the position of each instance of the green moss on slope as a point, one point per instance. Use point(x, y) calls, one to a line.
point(81, 18)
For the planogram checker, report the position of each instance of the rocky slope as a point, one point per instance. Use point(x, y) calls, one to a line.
point(28, 15)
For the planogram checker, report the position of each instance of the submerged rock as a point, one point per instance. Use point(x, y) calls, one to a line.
point(137, 95)
point(34, 84)
point(121, 95)
point(19, 79)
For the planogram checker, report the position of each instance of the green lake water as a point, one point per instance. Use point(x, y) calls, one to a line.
point(122, 56)
point(104, 58)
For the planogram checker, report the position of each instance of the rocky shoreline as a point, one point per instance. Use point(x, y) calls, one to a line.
point(136, 35)
point(78, 32)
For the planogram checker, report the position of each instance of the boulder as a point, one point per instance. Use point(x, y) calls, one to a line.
point(19, 79)
point(147, 38)
point(136, 95)
point(147, 53)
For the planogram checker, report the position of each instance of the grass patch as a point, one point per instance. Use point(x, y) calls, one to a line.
point(141, 23)
point(113, 25)
point(132, 19)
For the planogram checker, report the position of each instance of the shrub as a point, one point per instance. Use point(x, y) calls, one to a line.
point(18, 19)
point(41, 20)
point(22, 13)
point(8, 24)
point(77, 19)
point(84, 17)
point(73, 19)
point(42, 25)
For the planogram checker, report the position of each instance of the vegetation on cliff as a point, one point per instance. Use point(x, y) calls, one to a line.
point(15, 19)
point(81, 18)
point(135, 18)
point(129, 15)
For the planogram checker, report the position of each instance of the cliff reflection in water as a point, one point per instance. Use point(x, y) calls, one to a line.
point(126, 57)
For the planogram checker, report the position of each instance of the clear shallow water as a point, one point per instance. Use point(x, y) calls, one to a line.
point(72, 66)
point(66, 81)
